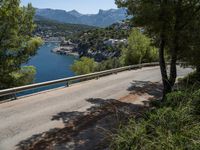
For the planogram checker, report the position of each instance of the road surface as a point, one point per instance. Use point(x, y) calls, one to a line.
point(32, 115)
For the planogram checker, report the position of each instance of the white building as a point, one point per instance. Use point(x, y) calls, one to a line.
point(113, 42)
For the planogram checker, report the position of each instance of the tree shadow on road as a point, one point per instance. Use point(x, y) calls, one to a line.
point(142, 87)
point(143, 92)
point(93, 129)
point(89, 130)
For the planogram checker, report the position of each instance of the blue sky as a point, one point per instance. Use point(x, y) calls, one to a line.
point(83, 6)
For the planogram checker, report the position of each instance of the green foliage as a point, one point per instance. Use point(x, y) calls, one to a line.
point(33, 44)
point(175, 125)
point(84, 66)
point(109, 64)
point(176, 99)
point(87, 65)
point(57, 29)
point(175, 27)
point(16, 42)
point(190, 47)
point(24, 76)
point(151, 55)
point(192, 81)
point(139, 49)
point(196, 103)
point(93, 40)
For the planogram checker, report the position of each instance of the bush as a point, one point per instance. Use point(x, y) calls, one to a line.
point(196, 103)
point(109, 64)
point(84, 66)
point(24, 76)
point(87, 65)
point(176, 99)
point(175, 125)
point(139, 49)
point(192, 80)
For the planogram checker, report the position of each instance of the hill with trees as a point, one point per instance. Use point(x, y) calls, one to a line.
point(103, 43)
point(51, 28)
point(138, 49)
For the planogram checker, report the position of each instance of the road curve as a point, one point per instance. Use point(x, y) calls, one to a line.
point(32, 115)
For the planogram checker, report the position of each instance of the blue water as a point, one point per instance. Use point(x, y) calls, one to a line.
point(50, 66)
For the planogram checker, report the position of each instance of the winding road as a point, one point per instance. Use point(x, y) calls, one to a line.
point(33, 114)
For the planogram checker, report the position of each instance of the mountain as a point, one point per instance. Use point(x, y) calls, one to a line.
point(57, 15)
point(75, 13)
point(103, 18)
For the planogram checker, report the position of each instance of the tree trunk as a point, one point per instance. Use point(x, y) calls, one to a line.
point(173, 69)
point(166, 84)
point(175, 46)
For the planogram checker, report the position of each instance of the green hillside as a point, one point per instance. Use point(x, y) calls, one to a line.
point(51, 28)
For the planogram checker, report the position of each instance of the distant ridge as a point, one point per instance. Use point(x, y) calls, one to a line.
point(103, 18)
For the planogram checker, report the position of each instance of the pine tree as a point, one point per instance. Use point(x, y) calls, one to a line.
point(16, 42)
point(165, 21)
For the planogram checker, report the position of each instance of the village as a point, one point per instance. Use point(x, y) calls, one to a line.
point(67, 47)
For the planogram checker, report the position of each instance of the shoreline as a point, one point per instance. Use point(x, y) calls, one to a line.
point(58, 50)
point(52, 41)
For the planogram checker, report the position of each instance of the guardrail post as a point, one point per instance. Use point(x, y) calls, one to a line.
point(140, 66)
point(15, 96)
point(115, 72)
point(67, 84)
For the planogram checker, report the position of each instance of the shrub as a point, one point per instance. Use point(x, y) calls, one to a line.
point(84, 66)
point(24, 76)
point(109, 64)
point(175, 125)
point(139, 49)
point(176, 99)
point(192, 80)
point(196, 103)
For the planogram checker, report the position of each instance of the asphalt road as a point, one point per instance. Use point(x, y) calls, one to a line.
point(32, 115)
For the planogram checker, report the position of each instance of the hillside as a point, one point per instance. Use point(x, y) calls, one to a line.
point(103, 18)
point(103, 43)
point(49, 28)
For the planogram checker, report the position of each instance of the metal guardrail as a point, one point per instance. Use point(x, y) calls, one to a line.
point(14, 91)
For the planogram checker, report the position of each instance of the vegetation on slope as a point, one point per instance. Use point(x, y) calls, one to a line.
point(172, 124)
point(92, 43)
point(84, 66)
point(138, 50)
point(57, 29)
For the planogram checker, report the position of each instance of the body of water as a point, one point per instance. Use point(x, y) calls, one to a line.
point(50, 66)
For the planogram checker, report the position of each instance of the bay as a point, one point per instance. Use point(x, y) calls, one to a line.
point(50, 66)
